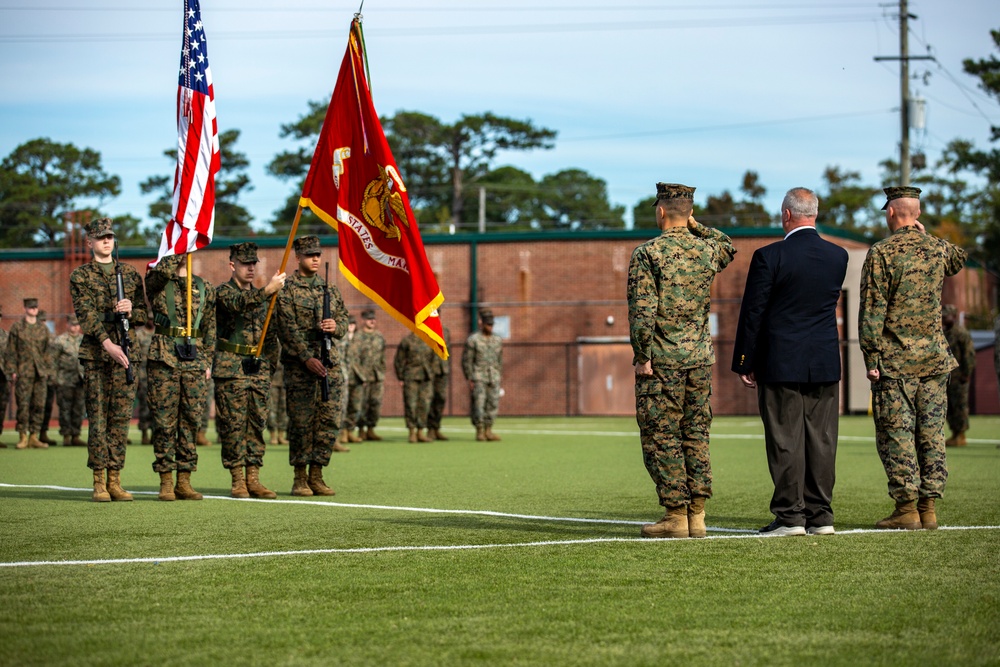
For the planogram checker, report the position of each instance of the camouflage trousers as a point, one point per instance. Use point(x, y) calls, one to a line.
point(674, 411)
point(71, 408)
point(177, 400)
point(313, 424)
point(277, 409)
point(109, 410)
point(142, 398)
point(4, 398)
point(240, 414)
point(51, 392)
point(439, 393)
point(210, 392)
point(958, 406)
point(909, 418)
point(30, 393)
point(485, 403)
point(364, 404)
point(416, 402)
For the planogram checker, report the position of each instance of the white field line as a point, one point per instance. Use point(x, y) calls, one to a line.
point(727, 533)
point(441, 547)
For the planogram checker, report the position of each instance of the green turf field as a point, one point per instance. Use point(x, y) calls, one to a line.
point(521, 552)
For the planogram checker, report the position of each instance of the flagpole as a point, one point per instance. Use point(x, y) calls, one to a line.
point(281, 269)
point(190, 330)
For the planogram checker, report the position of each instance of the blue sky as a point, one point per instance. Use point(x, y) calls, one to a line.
point(639, 92)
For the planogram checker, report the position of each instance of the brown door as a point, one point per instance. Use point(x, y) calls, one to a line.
point(607, 381)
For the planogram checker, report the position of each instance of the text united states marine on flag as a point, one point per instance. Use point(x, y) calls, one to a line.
point(354, 186)
point(192, 220)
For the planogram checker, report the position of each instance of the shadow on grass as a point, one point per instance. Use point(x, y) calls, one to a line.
point(550, 529)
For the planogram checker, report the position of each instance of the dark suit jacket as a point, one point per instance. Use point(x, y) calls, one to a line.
point(788, 319)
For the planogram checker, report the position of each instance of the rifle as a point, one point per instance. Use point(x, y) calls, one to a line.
point(122, 318)
point(324, 353)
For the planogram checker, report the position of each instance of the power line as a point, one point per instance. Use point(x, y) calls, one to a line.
point(461, 31)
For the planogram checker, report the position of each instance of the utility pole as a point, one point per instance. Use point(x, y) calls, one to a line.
point(904, 59)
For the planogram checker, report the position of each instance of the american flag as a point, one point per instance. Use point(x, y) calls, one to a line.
point(192, 220)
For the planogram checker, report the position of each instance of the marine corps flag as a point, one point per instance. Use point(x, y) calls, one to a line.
point(354, 186)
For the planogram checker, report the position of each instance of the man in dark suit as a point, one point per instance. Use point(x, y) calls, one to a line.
point(787, 347)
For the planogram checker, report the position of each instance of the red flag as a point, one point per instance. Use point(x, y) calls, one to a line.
point(192, 220)
point(354, 186)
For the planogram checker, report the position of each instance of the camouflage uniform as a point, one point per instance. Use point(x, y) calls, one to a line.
point(109, 398)
point(241, 399)
point(901, 336)
point(142, 338)
point(669, 284)
point(178, 388)
point(343, 352)
point(413, 364)
point(69, 380)
point(962, 348)
point(51, 386)
point(482, 364)
point(441, 371)
point(27, 347)
point(277, 407)
point(364, 407)
point(313, 424)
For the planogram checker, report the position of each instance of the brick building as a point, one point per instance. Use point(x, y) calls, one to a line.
point(559, 300)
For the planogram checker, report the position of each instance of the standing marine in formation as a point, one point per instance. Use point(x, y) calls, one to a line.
point(28, 368)
point(242, 377)
point(413, 363)
point(482, 364)
point(101, 315)
point(180, 365)
point(69, 383)
point(313, 423)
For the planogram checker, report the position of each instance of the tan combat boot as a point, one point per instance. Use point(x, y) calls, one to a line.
point(254, 487)
point(490, 435)
point(342, 436)
point(438, 435)
point(67, 441)
point(22, 441)
point(928, 518)
point(77, 442)
point(101, 494)
point(282, 440)
point(145, 436)
point(35, 443)
point(696, 517)
point(167, 486)
point(316, 482)
point(480, 434)
point(413, 435)
point(354, 438)
point(372, 435)
point(44, 437)
point(183, 489)
point(239, 488)
point(274, 437)
point(423, 437)
point(673, 524)
point(115, 489)
point(960, 439)
point(904, 517)
point(300, 485)
point(201, 440)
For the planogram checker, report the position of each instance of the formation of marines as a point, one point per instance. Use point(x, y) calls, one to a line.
point(333, 374)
